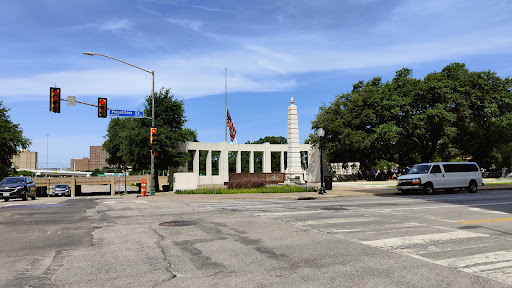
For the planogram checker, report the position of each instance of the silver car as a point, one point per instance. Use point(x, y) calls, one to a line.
point(61, 190)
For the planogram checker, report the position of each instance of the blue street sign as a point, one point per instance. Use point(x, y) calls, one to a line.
point(126, 113)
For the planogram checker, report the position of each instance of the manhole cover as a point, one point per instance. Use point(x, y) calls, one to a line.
point(335, 208)
point(178, 223)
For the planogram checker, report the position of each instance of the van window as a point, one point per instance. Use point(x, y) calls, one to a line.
point(436, 169)
point(451, 168)
point(419, 169)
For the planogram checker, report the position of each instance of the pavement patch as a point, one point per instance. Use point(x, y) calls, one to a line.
point(179, 223)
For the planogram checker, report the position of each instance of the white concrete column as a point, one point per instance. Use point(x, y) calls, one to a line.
point(224, 165)
point(195, 164)
point(282, 162)
point(251, 162)
point(209, 166)
point(314, 164)
point(238, 161)
point(267, 159)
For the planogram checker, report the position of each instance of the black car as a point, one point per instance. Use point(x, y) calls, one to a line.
point(17, 187)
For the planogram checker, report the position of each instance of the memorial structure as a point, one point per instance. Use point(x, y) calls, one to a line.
point(294, 169)
point(295, 175)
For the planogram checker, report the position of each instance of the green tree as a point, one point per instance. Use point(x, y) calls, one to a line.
point(127, 139)
point(484, 114)
point(409, 120)
point(360, 124)
point(11, 140)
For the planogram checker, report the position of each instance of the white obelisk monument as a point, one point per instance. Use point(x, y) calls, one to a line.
point(293, 169)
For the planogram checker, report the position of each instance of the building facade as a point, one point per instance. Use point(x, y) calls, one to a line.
point(80, 164)
point(25, 160)
point(97, 160)
point(97, 157)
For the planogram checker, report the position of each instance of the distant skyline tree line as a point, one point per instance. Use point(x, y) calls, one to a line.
point(447, 115)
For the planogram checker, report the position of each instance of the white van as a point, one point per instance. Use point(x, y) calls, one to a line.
point(427, 177)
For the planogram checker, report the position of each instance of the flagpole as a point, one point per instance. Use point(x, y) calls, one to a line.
point(226, 102)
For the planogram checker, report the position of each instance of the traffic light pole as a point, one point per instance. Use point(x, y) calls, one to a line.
point(152, 187)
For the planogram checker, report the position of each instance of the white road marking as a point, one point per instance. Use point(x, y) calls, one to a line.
point(486, 211)
point(478, 260)
point(440, 206)
point(336, 220)
point(397, 243)
point(285, 213)
point(494, 265)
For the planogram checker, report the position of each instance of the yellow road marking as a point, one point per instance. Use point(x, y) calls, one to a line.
point(484, 220)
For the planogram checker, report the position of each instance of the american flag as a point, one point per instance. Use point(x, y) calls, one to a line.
point(231, 126)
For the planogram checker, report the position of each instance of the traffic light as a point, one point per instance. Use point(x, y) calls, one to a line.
point(152, 136)
point(54, 100)
point(102, 107)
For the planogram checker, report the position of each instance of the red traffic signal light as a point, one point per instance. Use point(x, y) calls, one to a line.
point(152, 136)
point(102, 107)
point(55, 100)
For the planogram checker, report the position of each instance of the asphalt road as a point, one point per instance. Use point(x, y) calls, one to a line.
point(443, 240)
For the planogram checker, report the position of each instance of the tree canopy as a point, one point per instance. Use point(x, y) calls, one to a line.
point(127, 139)
point(11, 140)
point(444, 116)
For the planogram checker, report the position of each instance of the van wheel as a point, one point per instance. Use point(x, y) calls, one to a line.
point(472, 187)
point(428, 188)
point(24, 197)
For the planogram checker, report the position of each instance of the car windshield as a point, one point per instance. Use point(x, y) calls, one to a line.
point(60, 186)
point(13, 180)
point(419, 169)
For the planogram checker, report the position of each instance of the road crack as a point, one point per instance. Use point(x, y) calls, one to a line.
point(166, 259)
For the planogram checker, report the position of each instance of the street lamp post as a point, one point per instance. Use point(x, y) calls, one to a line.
point(320, 132)
point(152, 187)
point(47, 155)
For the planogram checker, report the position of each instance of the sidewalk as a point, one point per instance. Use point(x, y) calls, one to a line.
point(339, 190)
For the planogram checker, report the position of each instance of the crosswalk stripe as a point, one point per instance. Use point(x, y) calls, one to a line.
point(422, 239)
point(479, 260)
point(285, 213)
point(336, 220)
point(494, 265)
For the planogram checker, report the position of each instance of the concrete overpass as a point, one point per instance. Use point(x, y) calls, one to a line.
point(60, 173)
point(73, 181)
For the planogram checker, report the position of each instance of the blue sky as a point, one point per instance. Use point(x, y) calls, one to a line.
point(273, 50)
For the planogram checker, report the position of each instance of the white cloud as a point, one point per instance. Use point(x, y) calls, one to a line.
point(255, 68)
point(189, 6)
point(115, 25)
point(189, 24)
